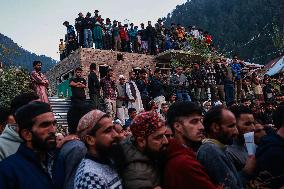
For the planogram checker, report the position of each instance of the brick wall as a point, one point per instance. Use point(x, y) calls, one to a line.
point(85, 56)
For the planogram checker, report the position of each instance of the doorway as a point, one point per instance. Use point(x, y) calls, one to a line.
point(103, 70)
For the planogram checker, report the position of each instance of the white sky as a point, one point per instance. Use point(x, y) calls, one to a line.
point(36, 25)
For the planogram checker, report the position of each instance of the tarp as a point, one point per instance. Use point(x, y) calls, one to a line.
point(278, 67)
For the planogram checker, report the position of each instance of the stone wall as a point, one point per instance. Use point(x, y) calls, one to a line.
point(85, 56)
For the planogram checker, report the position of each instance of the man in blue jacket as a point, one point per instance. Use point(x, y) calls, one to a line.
point(31, 166)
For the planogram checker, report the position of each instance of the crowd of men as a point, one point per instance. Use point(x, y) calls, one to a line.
point(144, 138)
point(95, 32)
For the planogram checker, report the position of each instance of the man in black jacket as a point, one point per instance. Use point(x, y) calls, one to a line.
point(270, 153)
point(88, 34)
point(79, 28)
point(151, 34)
point(94, 85)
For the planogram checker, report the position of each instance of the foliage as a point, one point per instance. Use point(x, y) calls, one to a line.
point(195, 47)
point(237, 26)
point(13, 81)
point(277, 37)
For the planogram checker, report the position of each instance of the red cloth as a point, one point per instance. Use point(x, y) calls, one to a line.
point(208, 39)
point(122, 33)
point(182, 170)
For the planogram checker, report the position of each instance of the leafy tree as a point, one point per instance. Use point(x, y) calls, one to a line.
point(245, 27)
point(13, 81)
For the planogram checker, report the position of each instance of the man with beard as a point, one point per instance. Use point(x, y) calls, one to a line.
point(96, 170)
point(237, 152)
point(220, 126)
point(133, 94)
point(30, 167)
point(138, 163)
point(40, 82)
point(181, 166)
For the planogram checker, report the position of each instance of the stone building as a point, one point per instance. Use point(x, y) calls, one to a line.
point(83, 57)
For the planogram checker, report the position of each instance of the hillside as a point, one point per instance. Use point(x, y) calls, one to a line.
point(245, 27)
point(12, 54)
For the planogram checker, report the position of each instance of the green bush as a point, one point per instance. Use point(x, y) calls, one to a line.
point(13, 81)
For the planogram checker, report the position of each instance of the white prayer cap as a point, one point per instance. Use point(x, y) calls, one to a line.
point(121, 77)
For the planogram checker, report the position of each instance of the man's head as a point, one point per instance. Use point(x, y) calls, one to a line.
point(207, 105)
point(164, 107)
point(245, 119)
point(37, 126)
point(5, 118)
point(110, 72)
point(278, 117)
point(259, 131)
point(132, 113)
point(97, 130)
point(121, 79)
point(220, 124)
point(78, 72)
point(88, 15)
point(269, 107)
point(37, 65)
point(119, 129)
point(158, 73)
point(185, 120)
point(132, 75)
point(66, 23)
point(81, 15)
point(143, 74)
point(142, 26)
point(246, 102)
point(179, 70)
point(235, 59)
point(149, 130)
point(149, 23)
point(93, 67)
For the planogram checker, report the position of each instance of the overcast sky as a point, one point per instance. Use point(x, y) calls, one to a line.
point(36, 25)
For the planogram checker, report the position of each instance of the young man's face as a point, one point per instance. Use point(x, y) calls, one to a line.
point(227, 130)
point(133, 114)
point(43, 132)
point(245, 123)
point(110, 73)
point(235, 59)
point(144, 75)
point(179, 70)
point(157, 141)
point(158, 75)
point(132, 76)
point(191, 128)
point(37, 67)
point(78, 73)
point(164, 108)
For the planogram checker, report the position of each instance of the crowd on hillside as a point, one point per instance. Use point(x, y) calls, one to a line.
point(95, 32)
point(206, 127)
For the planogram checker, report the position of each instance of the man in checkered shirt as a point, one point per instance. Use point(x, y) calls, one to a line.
point(210, 80)
point(96, 170)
